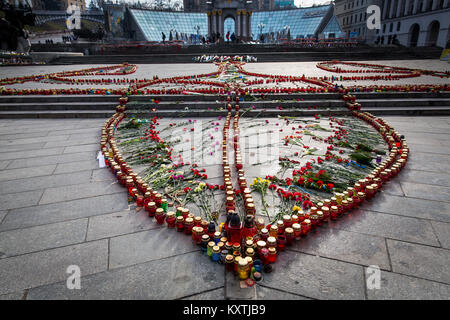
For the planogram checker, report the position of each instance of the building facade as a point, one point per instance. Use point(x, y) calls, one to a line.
point(352, 16)
point(415, 23)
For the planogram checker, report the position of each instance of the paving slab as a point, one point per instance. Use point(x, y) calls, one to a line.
point(49, 266)
point(442, 231)
point(411, 207)
point(4, 164)
point(345, 246)
point(420, 261)
point(22, 147)
point(103, 174)
point(12, 296)
point(424, 177)
point(32, 140)
point(388, 226)
point(216, 294)
point(426, 191)
point(316, 277)
point(62, 211)
point(72, 142)
point(76, 166)
point(80, 191)
point(170, 278)
point(394, 286)
point(2, 215)
point(21, 241)
point(39, 183)
point(149, 245)
point(119, 223)
point(56, 159)
point(82, 148)
point(33, 171)
point(20, 200)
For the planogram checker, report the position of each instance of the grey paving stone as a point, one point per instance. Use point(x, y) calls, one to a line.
point(429, 162)
point(103, 174)
point(265, 293)
point(316, 277)
point(40, 161)
point(82, 148)
point(93, 129)
point(425, 177)
point(32, 140)
point(442, 230)
point(49, 266)
point(429, 148)
point(33, 171)
point(345, 246)
point(119, 223)
point(4, 164)
point(76, 166)
point(420, 261)
point(170, 278)
point(22, 135)
point(22, 147)
point(217, 294)
point(72, 142)
point(149, 245)
point(56, 212)
point(388, 226)
point(43, 182)
point(2, 215)
point(410, 207)
point(393, 188)
point(12, 296)
point(20, 241)
point(79, 191)
point(395, 286)
point(426, 191)
point(20, 200)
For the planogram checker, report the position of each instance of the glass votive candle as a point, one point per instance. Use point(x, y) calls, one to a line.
point(170, 219)
point(151, 209)
point(273, 232)
point(289, 233)
point(180, 223)
point(243, 269)
point(229, 263)
point(264, 234)
point(280, 242)
point(272, 258)
point(160, 215)
point(215, 254)
point(204, 244)
point(297, 230)
point(271, 242)
point(287, 221)
point(188, 225)
point(306, 227)
point(209, 248)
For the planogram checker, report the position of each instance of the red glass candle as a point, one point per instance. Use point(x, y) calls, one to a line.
point(151, 209)
point(160, 215)
point(297, 230)
point(170, 219)
point(289, 233)
point(306, 226)
point(180, 223)
point(188, 225)
point(287, 221)
point(334, 213)
point(272, 256)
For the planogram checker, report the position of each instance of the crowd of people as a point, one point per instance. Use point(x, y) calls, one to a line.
point(206, 58)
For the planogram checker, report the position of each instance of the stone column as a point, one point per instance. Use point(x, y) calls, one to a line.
point(244, 24)
point(407, 4)
point(250, 25)
point(221, 22)
point(435, 4)
point(238, 24)
point(424, 6)
point(384, 13)
point(392, 10)
point(416, 7)
point(445, 5)
point(214, 23)
point(399, 8)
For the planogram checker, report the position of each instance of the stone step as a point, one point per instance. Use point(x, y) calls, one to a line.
point(54, 106)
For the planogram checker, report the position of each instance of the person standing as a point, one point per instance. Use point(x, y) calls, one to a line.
point(163, 37)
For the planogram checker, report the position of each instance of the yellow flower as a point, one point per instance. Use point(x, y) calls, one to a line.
point(296, 209)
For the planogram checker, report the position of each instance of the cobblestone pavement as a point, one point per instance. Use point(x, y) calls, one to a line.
point(57, 209)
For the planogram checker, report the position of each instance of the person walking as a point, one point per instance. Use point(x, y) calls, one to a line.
point(163, 37)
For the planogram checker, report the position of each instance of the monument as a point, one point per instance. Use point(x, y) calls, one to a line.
point(238, 10)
